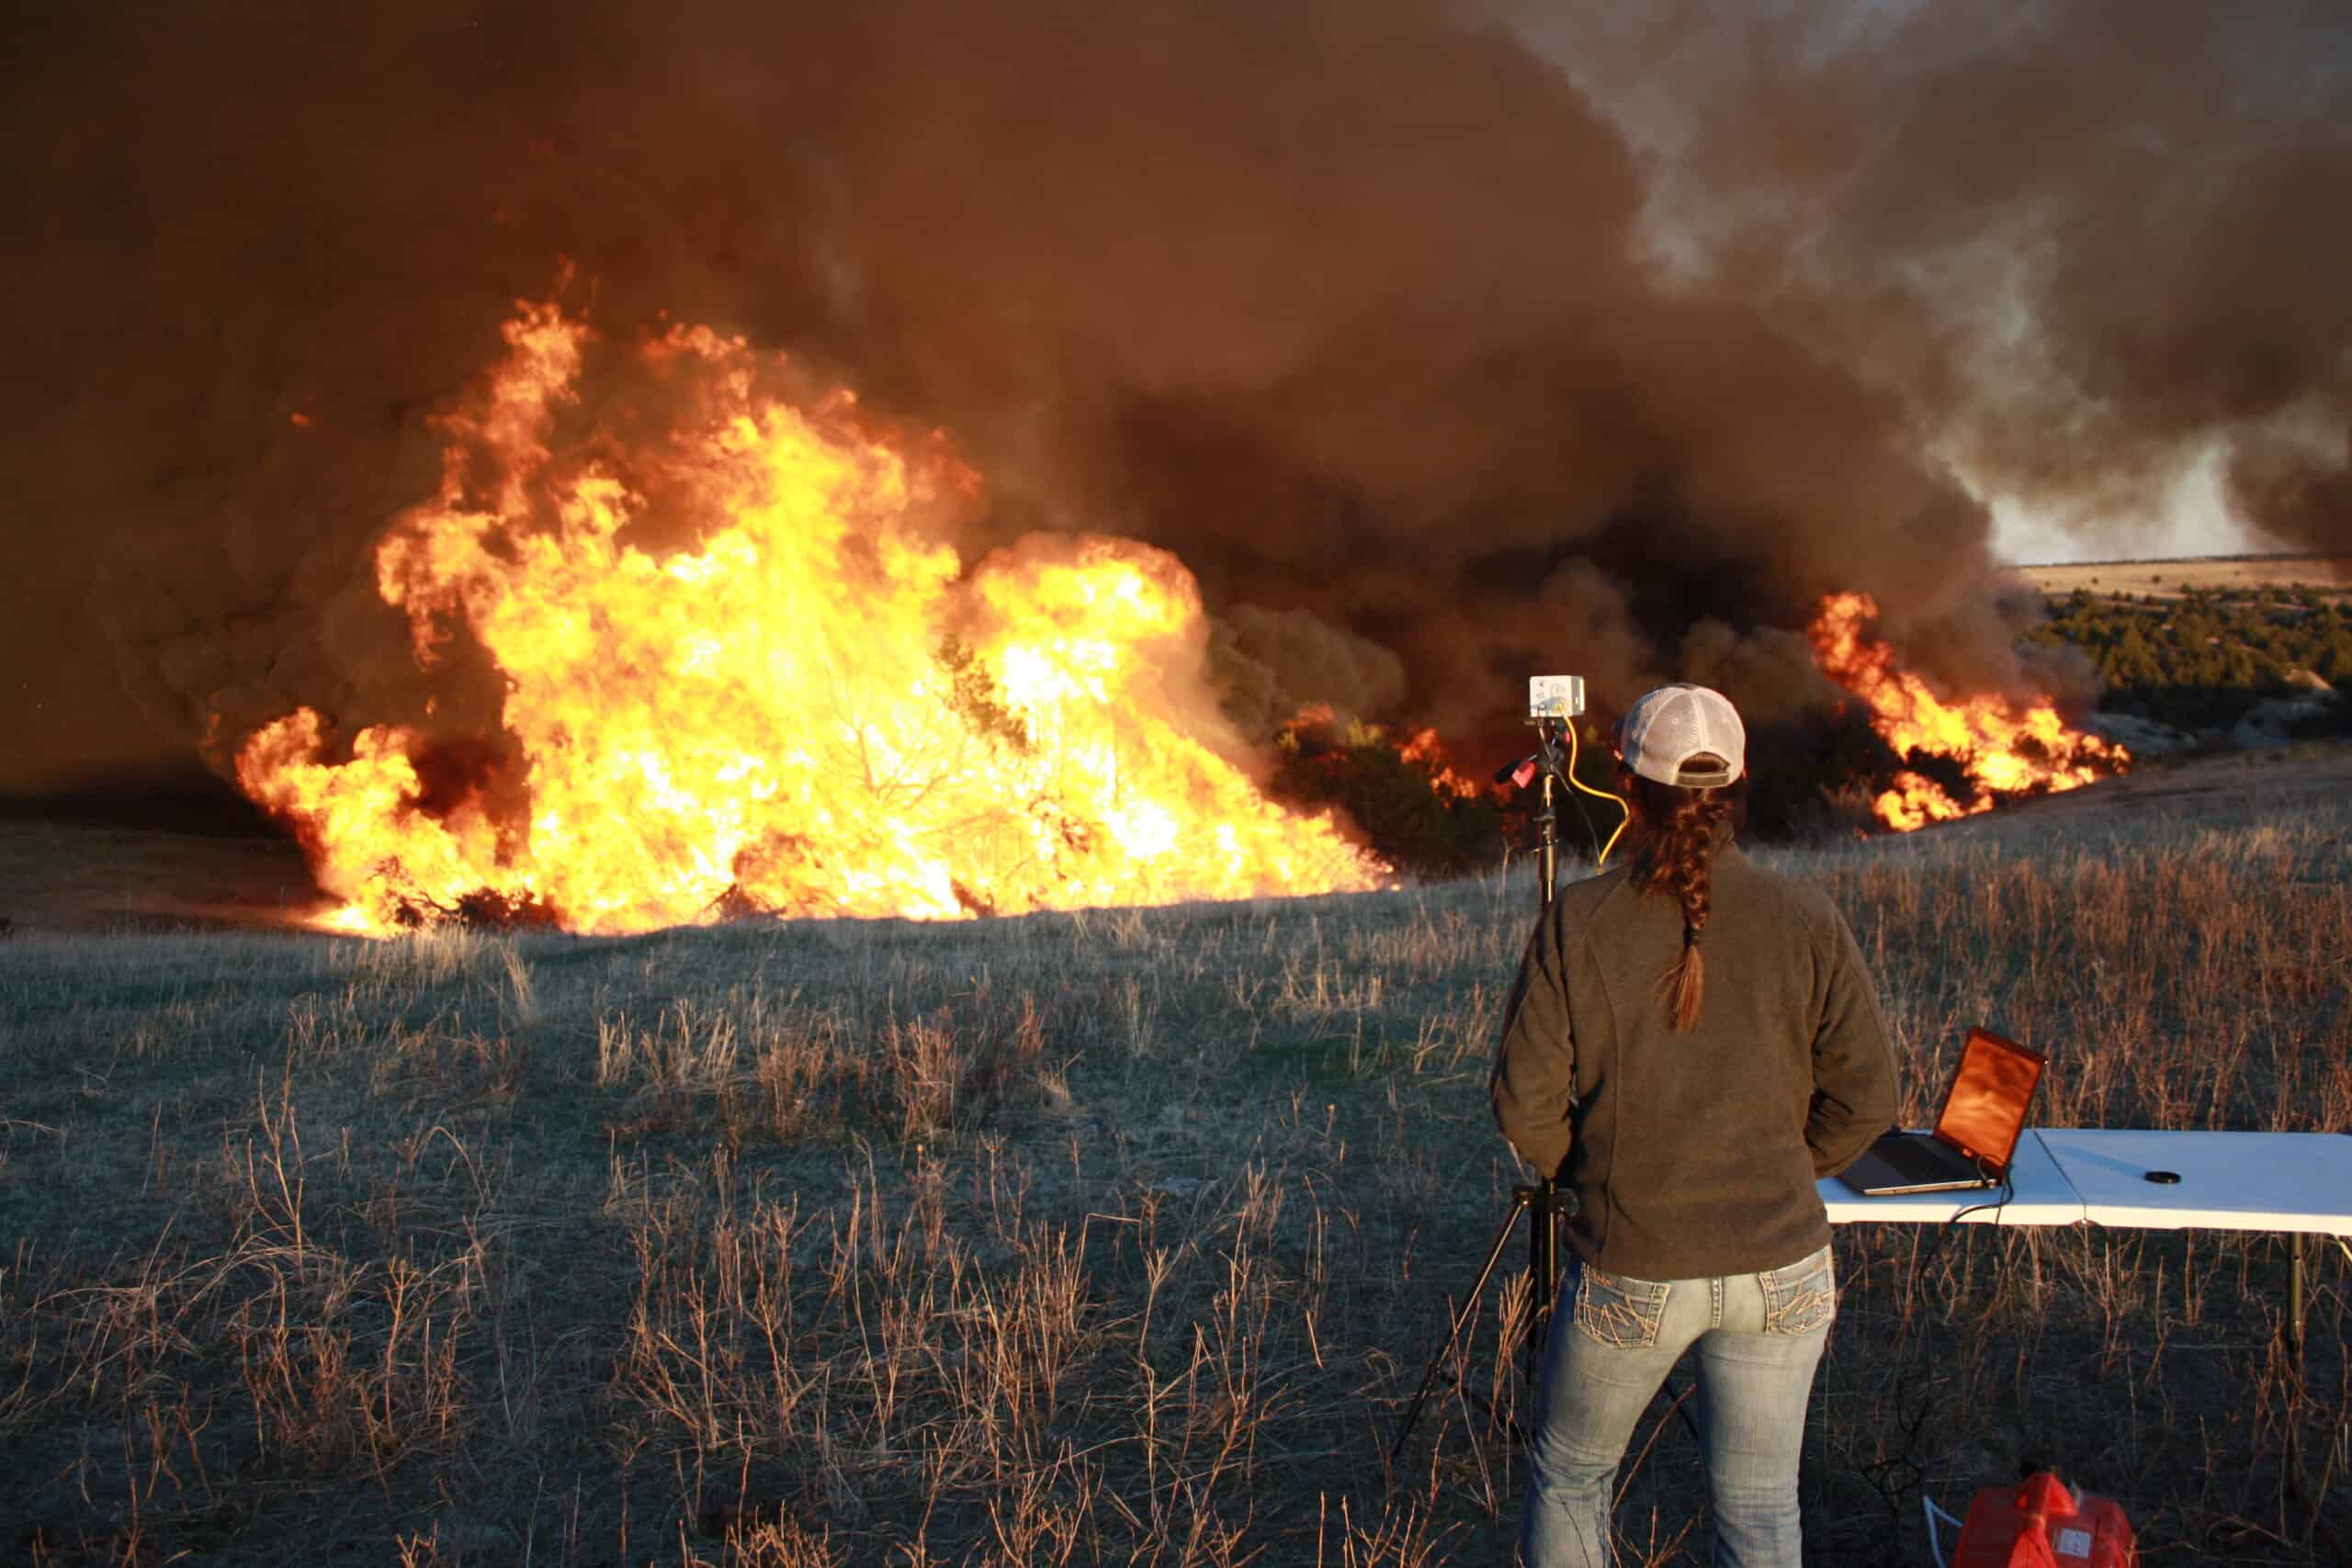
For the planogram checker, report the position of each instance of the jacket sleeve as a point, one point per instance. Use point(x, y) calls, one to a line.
point(1534, 1076)
point(1853, 1060)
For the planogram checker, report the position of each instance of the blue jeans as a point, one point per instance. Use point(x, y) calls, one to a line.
point(1612, 1341)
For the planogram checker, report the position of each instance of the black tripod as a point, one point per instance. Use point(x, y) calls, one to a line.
point(1540, 1200)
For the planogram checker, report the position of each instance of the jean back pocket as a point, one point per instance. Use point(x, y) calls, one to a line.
point(1800, 1298)
point(1617, 1311)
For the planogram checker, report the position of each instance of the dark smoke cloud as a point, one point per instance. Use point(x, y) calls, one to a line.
point(1345, 302)
point(2087, 240)
point(1271, 663)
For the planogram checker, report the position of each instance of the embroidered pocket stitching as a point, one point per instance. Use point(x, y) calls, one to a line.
point(1802, 1305)
point(1612, 1313)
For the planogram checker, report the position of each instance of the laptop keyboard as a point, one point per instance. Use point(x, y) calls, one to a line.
point(1919, 1159)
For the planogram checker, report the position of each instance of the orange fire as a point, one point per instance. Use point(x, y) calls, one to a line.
point(1427, 751)
point(2004, 747)
point(806, 702)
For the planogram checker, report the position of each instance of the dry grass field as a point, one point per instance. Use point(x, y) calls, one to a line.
point(2164, 579)
point(1115, 1238)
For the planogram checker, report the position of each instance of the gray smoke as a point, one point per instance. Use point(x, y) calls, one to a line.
point(2090, 243)
point(1348, 303)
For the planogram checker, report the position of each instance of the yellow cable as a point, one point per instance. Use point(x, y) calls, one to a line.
point(1626, 811)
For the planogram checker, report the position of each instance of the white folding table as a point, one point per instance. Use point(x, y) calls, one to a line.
point(2300, 1183)
point(2297, 1182)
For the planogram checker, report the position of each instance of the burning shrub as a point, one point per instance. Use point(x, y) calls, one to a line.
point(1992, 746)
point(484, 908)
point(759, 671)
point(1419, 815)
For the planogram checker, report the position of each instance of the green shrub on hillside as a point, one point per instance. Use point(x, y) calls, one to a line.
point(2201, 659)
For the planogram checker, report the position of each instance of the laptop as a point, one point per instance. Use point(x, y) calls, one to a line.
point(1975, 1132)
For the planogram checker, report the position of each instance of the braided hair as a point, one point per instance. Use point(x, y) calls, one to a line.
point(1672, 858)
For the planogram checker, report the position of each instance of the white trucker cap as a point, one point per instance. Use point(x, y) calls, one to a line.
point(1666, 730)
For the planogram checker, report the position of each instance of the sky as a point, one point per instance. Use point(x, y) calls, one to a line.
point(2191, 517)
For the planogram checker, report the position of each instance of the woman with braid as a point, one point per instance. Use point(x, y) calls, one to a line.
point(1691, 1044)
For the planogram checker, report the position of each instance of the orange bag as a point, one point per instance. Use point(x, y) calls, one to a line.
point(2042, 1522)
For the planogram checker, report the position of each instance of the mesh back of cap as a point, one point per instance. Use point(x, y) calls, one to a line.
point(1677, 723)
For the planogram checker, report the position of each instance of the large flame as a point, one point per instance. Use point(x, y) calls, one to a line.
point(804, 703)
point(2004, 747)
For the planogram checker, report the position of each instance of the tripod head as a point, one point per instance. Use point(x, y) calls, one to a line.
point(1553, 702)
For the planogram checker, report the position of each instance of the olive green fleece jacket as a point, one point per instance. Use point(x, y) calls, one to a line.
point(1694, 1155)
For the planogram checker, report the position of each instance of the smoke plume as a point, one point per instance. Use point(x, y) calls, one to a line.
point(2091, 244)
point(1353, 305)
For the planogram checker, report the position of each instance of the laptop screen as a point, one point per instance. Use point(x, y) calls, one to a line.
point(1986, 1109)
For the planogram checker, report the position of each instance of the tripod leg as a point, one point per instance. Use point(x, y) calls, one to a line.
point(1519, 1199)
point(1542, 1270)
